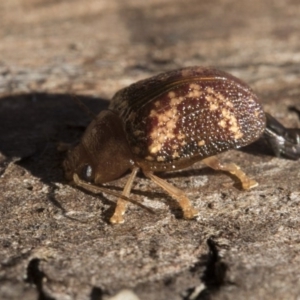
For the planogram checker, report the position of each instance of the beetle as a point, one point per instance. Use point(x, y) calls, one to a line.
point(169, 122)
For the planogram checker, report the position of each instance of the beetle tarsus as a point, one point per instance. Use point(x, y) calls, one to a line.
point(117, 217)
point(283, 141)
point(190, 213)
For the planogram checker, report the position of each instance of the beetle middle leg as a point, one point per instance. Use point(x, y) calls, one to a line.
point(214, 163)
point(189, 212)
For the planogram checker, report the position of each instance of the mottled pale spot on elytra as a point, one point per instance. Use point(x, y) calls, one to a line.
point(181, 136)
point(194, 90)
point(161, 139)
point(213, 106)
point(238, 135)
point(157, 104)
point(153, 113)
point(194, 94)
point(226, 113)
point(232, 121)
point(176, 101)
point(149, 158)
point(164, 129)
point(175, 154)
point(210, 98)
point(160, 158)
point(229, 104)
point(170, 113)
point(155, 148)
point(170, 125)
point(195, 86)
point(172, 94)
point(217, 100)
point(234, 128)
point(210, 90)
point(220, 96)
point(163, 118)
point(201, 143)
point(197, 93)
point(222, 123)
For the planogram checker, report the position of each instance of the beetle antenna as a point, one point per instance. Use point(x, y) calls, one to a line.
point(83, 106)
point(96, 189)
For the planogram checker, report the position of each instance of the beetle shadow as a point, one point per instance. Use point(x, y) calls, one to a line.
point(259, 147)
point(32, 125)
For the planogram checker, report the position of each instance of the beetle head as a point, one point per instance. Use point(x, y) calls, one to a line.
point(103, 153)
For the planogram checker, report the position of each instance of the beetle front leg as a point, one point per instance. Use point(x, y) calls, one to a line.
point(122, 201)
point(215, 164)
point(120, 209)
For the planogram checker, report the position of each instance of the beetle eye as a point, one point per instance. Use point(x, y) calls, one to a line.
point(87, 172)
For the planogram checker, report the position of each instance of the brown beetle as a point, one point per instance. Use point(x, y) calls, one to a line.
point(169, 122)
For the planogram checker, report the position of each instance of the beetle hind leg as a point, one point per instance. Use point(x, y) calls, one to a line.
point(214, 163)
point(189, 212)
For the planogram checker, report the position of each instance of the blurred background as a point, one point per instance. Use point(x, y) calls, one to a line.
point(98, 46)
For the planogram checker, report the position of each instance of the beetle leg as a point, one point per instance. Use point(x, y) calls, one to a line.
point(120, 209)
point(122, 198)
point(215, 164)
point(189, 212)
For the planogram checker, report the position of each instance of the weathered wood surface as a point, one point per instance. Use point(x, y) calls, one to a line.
point(55, 240)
